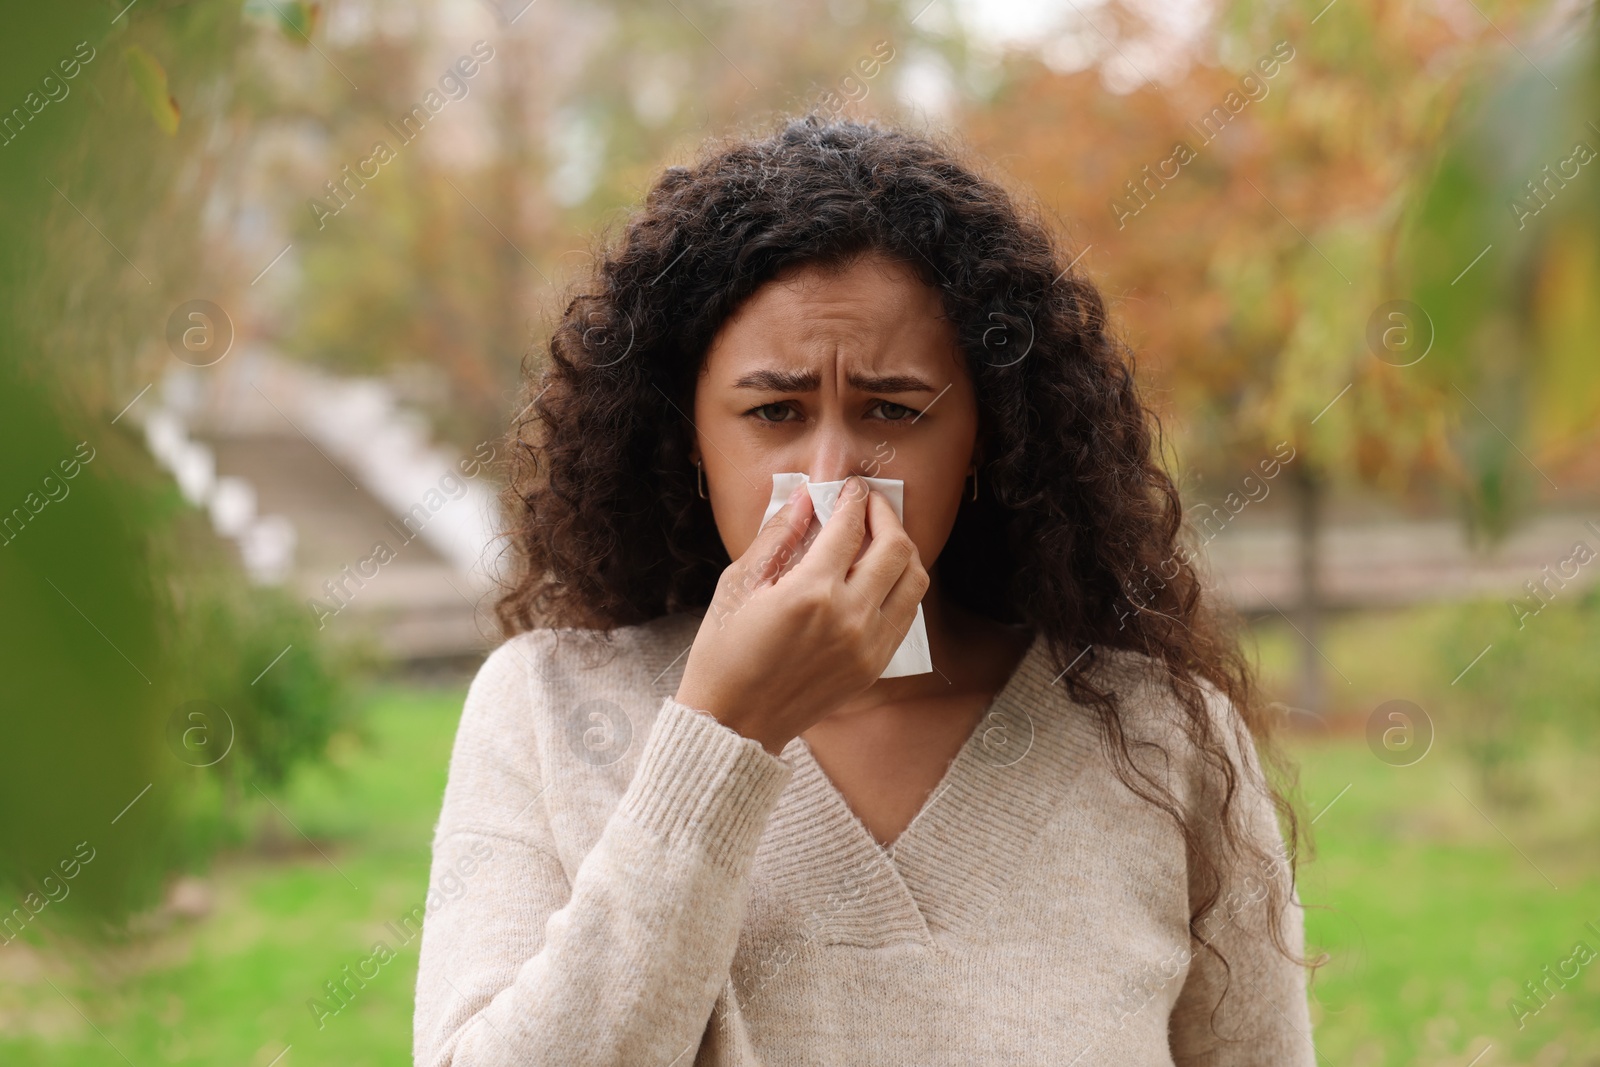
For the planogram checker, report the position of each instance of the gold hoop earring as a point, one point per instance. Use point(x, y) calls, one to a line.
point(974, 495)
point(700, 479)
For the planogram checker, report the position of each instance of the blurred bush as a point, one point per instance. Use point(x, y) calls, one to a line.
point(153, 696)
point(1533, 687)
point(120, 609)
point(263, 692)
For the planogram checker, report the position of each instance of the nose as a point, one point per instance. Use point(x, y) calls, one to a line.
point(836, 453)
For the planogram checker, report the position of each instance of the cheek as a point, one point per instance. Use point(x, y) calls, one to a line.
point(738, 479)
point(930, 523)
point(733, 480)
point(933, 499)
point(937, 484)
point(737, 505)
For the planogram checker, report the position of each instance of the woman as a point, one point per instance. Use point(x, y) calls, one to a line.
point(690, 820)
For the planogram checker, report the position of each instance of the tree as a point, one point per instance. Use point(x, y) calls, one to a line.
point(1260, 193)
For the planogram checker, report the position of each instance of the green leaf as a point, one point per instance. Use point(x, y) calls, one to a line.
point(151, 79)
point(296, 19)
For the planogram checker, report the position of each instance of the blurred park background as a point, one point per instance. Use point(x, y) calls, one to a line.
point(268, 269)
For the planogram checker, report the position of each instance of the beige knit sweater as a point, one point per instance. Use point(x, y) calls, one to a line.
point(620, 879)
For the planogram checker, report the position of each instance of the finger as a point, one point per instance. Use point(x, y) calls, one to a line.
point(836, 547)
point(889, 553)
point(902, 601)
point(779, 539)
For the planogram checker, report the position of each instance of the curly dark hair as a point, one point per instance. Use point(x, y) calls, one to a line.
point(1077, 529)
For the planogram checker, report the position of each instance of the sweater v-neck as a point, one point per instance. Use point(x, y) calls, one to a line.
point(951, 864)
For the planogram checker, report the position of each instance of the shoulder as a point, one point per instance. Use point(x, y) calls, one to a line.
point(548, 697)
point(553, 654)
point(544, 677)
point(1152, 710)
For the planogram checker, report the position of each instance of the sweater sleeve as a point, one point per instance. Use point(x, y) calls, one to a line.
point(1262, 1017)
point(621, 966)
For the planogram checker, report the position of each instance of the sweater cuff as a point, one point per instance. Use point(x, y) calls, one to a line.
point(704, 784)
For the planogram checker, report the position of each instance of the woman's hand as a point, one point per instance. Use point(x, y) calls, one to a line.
point(776, 654)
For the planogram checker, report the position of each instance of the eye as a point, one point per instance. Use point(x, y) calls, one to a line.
point(904, 411)
point(755, 412)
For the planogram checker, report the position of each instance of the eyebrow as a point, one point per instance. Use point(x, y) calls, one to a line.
point(780, 381)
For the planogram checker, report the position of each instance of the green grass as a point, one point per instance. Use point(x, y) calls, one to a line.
point(1441, 897)
point(1434, 902)
point(232, 988)
point(1433, 919)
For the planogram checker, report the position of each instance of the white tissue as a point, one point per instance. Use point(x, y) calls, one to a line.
point(912, 657)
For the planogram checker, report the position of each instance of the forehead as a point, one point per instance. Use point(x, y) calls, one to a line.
point(873, 312)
